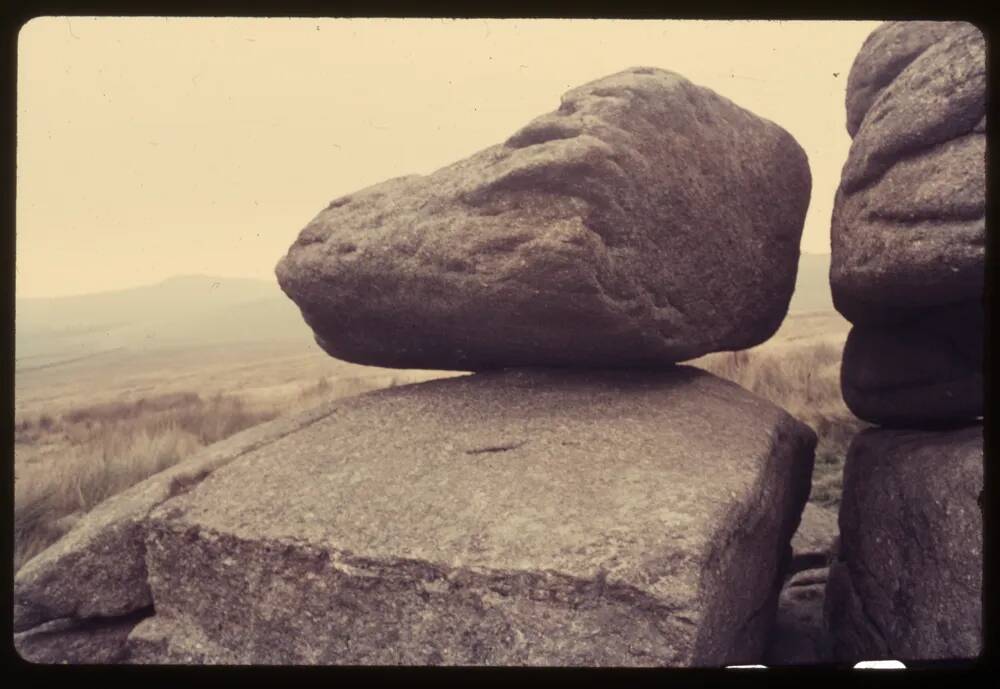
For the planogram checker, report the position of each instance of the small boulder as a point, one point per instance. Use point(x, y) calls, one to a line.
point(646, 221)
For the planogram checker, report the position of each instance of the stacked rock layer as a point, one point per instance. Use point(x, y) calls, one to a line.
point(908, 241)
point(909, 225)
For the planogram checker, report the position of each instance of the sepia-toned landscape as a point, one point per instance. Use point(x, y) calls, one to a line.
point(612, 343)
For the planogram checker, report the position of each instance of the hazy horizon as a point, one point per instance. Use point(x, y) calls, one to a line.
point(150, 148)
point(207, 276)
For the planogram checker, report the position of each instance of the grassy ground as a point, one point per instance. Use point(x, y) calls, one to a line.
point(91, 429)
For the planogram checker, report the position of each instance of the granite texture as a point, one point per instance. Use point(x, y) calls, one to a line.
point(908, 227)
point(886, 52)
point(526, 517)
point(907, 582)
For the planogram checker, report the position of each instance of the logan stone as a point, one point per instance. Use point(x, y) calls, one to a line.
point(907, 583)
point(646, 221)
point(530, 517)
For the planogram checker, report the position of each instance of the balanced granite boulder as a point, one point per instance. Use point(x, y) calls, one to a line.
point(907, 583)
point(646, 221)
point(525, 517)
point(908, 226)
point(924, 373)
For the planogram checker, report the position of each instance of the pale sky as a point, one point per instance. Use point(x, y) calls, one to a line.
point(151, 147)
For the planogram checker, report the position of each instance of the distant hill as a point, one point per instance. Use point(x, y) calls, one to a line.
point(180, 311)
point(176, 298)
point(195, 310)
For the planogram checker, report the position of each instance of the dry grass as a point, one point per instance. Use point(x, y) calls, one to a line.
point(67, 464)
point(805, 381)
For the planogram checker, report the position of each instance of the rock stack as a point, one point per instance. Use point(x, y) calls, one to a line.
point(580, 499)
point(907, 270)
point(909, 225)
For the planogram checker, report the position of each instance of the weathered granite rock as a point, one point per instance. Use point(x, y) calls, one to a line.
point(886, 52)
point(527, 517)
point(814, 539)
point(907, 583)
point(646, 221)
point(76, 642)
point(908, 227)
point(799, 635)
point(98, 569)
point(927, 372)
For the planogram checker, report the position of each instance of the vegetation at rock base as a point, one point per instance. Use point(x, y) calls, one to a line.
point(69, 458)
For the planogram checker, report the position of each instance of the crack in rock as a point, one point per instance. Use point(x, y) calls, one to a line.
point(496, 448)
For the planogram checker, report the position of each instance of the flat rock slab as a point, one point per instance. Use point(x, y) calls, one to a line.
point(908, 226)
point(646, 221)
point(526, 517)
point(926, 372)
point(907, 583)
